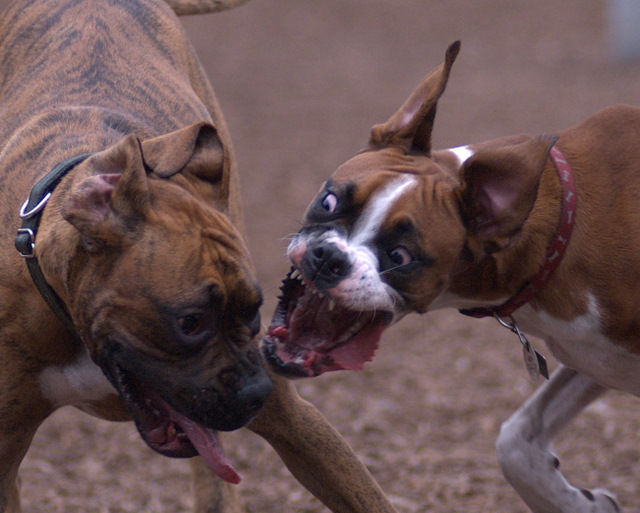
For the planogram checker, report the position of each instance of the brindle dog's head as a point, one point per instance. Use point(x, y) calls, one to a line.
point(162, 290)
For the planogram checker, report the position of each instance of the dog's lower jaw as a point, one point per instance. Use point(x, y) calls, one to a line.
point(311, 333)
point(166, 430)
point(283, 363)
point(291, 360)
point(170, 433)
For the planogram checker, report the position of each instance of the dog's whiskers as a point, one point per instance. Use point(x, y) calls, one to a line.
point(403, 266)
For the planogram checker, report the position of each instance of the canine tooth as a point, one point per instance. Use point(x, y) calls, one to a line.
point(294, 274)
point(352, 331)
point(332, 305)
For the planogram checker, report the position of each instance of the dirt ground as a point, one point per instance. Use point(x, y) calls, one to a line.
point(301, 82)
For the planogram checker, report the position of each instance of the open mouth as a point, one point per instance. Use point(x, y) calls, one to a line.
point(167, 431)
point(312, 333)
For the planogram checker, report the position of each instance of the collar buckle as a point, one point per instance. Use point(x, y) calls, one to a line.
point(25, 241)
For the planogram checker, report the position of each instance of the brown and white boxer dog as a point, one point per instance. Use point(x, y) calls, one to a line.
point(541, 232)
point(130, 292)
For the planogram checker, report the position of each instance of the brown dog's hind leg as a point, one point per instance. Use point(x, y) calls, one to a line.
point(524, 447)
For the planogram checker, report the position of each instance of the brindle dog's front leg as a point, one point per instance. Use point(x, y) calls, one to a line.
point(212, 494)
point(21, 413)
point(316, 454)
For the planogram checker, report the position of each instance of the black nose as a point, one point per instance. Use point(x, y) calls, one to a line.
point(325, 265)
point(239, 405)
point(253, 395)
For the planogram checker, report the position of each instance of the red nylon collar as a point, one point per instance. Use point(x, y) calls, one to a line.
point(555, 251)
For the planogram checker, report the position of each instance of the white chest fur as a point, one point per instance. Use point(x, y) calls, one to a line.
point(76, 384)
point(581, 345)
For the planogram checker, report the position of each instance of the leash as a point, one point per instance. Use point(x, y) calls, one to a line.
point(25, 243)
point(534, 361)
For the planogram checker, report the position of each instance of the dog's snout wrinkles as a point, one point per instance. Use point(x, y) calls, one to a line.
point(326, 265)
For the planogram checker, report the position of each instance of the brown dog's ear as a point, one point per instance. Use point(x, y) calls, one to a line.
point(104, 206)
point(499, 187)
point(412, 124)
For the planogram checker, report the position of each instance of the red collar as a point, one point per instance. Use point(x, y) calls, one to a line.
point(555, 251)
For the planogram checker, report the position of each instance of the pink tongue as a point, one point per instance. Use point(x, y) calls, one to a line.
point(359, 350)
point(208, 446)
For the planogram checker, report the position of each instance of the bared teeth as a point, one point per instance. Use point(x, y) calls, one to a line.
point(332, 305)
point(355, 328)
point(295, 274)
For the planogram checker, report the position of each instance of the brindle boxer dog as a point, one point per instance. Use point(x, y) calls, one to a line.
point(131, 293)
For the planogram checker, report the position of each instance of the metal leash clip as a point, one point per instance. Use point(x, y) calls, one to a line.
point(535, 363)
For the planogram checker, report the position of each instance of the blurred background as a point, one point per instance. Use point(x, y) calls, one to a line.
point(301, 83)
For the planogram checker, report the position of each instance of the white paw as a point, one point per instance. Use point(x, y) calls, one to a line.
point(601, 501)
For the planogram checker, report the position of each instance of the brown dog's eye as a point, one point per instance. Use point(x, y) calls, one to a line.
point(400, 256)
point(329, 202)
point(190, 324)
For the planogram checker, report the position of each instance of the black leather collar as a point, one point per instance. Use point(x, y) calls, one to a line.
point(25, 242)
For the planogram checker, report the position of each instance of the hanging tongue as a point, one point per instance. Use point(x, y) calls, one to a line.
point(207, 444)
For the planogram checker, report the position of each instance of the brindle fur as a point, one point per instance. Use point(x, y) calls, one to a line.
point(120, 78)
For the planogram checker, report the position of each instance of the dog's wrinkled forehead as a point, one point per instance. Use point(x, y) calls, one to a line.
point(186, 246)
point(363, 191)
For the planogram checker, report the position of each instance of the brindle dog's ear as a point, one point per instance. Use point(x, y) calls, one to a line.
point(499, 187)
point(104, 206)
point(195, 151)
point(411, 126)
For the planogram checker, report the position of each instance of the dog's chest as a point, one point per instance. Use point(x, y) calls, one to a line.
point(80, 383)
point(581, 345)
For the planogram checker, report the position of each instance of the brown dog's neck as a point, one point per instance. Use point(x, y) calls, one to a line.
point(494, 276)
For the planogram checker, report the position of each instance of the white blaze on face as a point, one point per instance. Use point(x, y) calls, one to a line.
point(364, 289)
point(462, 153)
point(377, 209)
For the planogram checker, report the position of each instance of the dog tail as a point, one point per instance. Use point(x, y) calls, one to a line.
point(182, 7)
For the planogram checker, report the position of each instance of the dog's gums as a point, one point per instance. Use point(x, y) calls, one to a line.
point(312, 333)
point(167, 431)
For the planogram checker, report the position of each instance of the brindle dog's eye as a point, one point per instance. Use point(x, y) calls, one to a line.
point(255, 324)
point(329, 202)
point(190, 324)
